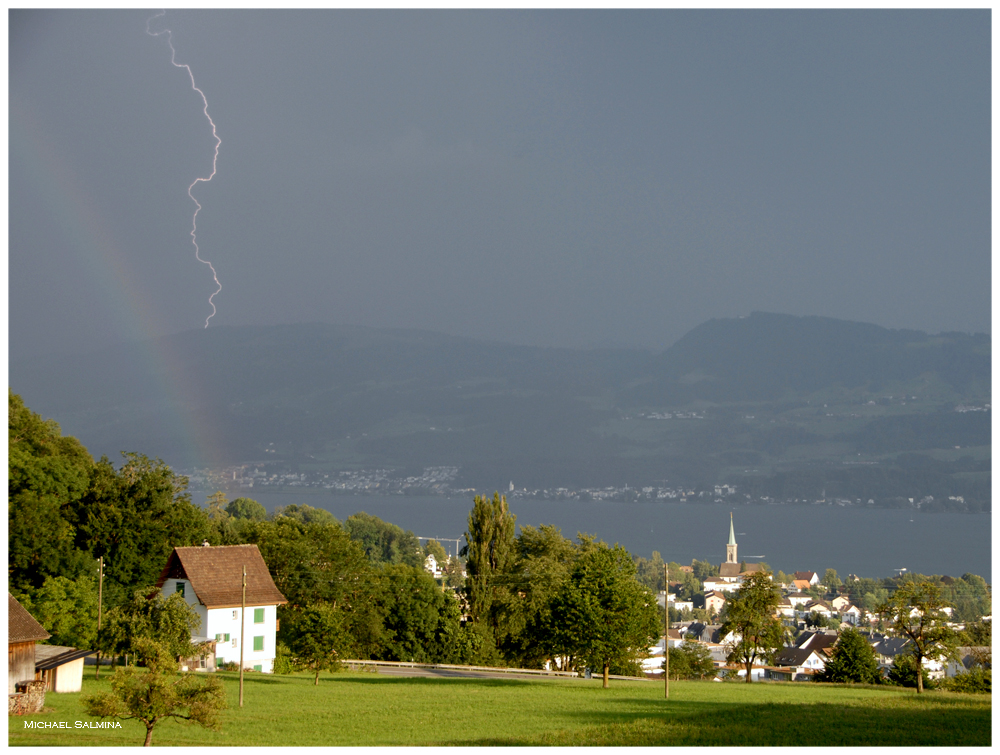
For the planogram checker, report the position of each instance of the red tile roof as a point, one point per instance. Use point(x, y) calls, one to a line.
point(216, 574)
point(21, 625)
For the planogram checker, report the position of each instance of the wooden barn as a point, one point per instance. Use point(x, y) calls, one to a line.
point(22, 634)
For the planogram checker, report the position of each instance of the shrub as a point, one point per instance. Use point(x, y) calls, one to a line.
point(903, 673)
point(977, 680)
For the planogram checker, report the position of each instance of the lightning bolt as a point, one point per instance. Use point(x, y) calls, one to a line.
point(215, 158)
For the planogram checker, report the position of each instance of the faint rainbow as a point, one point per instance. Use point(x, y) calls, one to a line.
point(112, 273)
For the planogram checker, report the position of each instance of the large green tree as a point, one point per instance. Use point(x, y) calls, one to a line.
point(602, 616)
point(246, 508)
point(542, 563)
point(489, 551)
point(47, 473)
point(853, 660)
point(383, 542)
point(312, 563)
point(916, 611)
point(67, 608)
point(750, 615)
point(134, 517)
point(421, 622)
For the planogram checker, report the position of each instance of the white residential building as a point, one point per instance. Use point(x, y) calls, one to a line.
point(210, 579)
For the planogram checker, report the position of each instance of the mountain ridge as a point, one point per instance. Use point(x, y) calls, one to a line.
point(346, 396)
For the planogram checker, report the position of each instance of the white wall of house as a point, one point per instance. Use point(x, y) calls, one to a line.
point(258, 636)
point(223, 625)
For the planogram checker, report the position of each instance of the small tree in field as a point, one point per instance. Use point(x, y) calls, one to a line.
point(156, 692)
point(750, 615)
point(316, 637)
point(853, 661)
point(916, 611)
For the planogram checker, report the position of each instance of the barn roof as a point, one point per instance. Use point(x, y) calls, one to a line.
point(52, 656)
point(21, 625)
point(216, 575)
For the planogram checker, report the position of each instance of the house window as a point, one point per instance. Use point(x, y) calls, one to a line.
point(234, 642)
point(180, 589)
point(258, 643)
point(222, 638)
point(236, 615)
point(258, 616)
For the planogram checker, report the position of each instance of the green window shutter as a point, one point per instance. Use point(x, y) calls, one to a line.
point(258, 643)
point(258, 667)
point(258, 616)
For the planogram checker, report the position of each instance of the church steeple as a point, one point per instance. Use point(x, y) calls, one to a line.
point(731, 545)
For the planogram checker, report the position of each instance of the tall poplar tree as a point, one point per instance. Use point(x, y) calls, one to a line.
point(490, 556)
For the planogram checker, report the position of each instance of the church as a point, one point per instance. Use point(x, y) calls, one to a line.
point(731, 572)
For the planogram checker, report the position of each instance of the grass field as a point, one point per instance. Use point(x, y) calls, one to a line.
point(366, 709)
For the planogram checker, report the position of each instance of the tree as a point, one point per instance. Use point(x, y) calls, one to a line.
point(542, 562)
point(67, 608)
point(749, 614)
point(148, 616)
point(134, 517)
point(316, 637)
point(818, 621)
point(434, 548)
point(692, 660)
point(383, 542)
point(156, 692)
point(831, 580)
point(305, 514)
point(421, 621)
point(853, 661)
point(602, 615)
point(916, 611)
point(489, 551)
point(649, 571)
point(246, 508)
point(704, 569)
point(46, 473)
point(904, 673)
point(319, 563)
point(215, 507)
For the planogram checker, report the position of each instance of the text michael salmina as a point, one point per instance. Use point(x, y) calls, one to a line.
point(74, 725)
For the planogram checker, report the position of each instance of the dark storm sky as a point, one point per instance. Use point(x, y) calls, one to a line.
point(565, 178)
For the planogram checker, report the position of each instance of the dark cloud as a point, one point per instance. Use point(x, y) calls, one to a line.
point(560, 177)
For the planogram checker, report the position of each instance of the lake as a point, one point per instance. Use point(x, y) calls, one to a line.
point(866, 542)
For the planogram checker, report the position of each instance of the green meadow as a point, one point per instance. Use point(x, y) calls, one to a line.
point(366, 709)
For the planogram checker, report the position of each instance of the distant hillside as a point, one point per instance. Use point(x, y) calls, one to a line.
point(765, 356)
point(765, 396)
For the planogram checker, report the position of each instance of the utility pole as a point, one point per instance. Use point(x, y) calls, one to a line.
point(100, 592)
point(243, 613)
point(666, 631)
